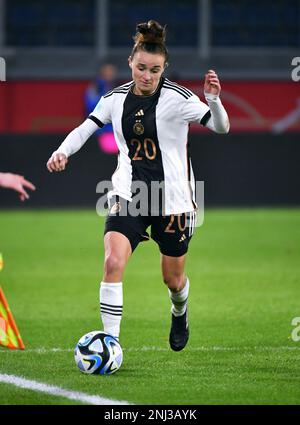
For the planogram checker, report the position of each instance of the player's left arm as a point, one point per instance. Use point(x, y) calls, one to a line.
point(219, 121)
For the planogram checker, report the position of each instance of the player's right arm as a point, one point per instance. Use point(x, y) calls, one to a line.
point(77, 138)
point(72, 143)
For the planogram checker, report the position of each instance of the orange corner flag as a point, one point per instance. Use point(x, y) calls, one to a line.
point(9, 334)
point(1, 262)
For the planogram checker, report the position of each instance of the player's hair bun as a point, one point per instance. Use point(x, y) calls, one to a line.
point(150, 32)
point(150, 37)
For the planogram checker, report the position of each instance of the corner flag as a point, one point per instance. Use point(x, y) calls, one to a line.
point(9, 333)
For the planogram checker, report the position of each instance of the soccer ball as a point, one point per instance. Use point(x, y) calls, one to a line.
point(99, 353)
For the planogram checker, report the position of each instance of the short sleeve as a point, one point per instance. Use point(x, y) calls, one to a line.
point(194, 110)
point(101, 115)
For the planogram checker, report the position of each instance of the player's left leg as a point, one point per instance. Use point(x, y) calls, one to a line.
point(172, 234)
point(178, 287)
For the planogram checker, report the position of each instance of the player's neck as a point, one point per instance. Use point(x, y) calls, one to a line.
point(139, 92)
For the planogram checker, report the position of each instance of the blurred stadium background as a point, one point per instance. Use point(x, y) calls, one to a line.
point(53, 51)
point(244, 263)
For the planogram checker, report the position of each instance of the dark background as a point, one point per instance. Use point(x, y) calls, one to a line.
point(238, 170)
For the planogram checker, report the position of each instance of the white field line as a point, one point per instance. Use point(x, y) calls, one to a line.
point(28, 384)
point(212, 348)
point(97, 400)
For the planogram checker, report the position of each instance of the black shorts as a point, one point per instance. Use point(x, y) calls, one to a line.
point(172, 233)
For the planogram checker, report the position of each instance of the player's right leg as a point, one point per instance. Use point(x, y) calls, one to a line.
point(117, 252)
point(122, 235)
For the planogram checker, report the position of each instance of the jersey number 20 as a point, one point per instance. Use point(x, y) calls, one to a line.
point(149, 149)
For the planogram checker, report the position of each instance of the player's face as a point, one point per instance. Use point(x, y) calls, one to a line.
point(147, 69)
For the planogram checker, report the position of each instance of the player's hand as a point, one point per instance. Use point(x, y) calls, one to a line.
point(211, 83)
point(17, 183)
point(57, 162)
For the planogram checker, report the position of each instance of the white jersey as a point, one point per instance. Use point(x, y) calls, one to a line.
point(152, 136)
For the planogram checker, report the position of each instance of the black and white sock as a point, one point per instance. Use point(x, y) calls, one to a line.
point(111, 306)
point(179, 299)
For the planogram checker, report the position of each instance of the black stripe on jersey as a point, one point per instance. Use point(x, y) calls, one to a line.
point(184, 89)
point(116, 91)
point(121, 89)
point(123, 86)
point(188, 162)
point(167, 86)
point(205, 118)
point(96, 121)
point(173, 88)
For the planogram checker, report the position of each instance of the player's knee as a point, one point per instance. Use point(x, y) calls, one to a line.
point(114, 264)
point(173, 280)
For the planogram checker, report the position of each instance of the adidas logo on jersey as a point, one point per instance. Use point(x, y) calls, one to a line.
point(139, 113)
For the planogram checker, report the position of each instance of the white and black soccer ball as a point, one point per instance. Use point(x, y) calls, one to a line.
point(99, 353)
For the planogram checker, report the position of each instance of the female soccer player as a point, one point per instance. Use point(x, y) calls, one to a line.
point(150, 117)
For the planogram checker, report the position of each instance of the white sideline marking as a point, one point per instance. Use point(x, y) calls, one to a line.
point(20, 382)
point(44, 350)
point(215, 348)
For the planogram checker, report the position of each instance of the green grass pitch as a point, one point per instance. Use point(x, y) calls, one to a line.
point(244, 269)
